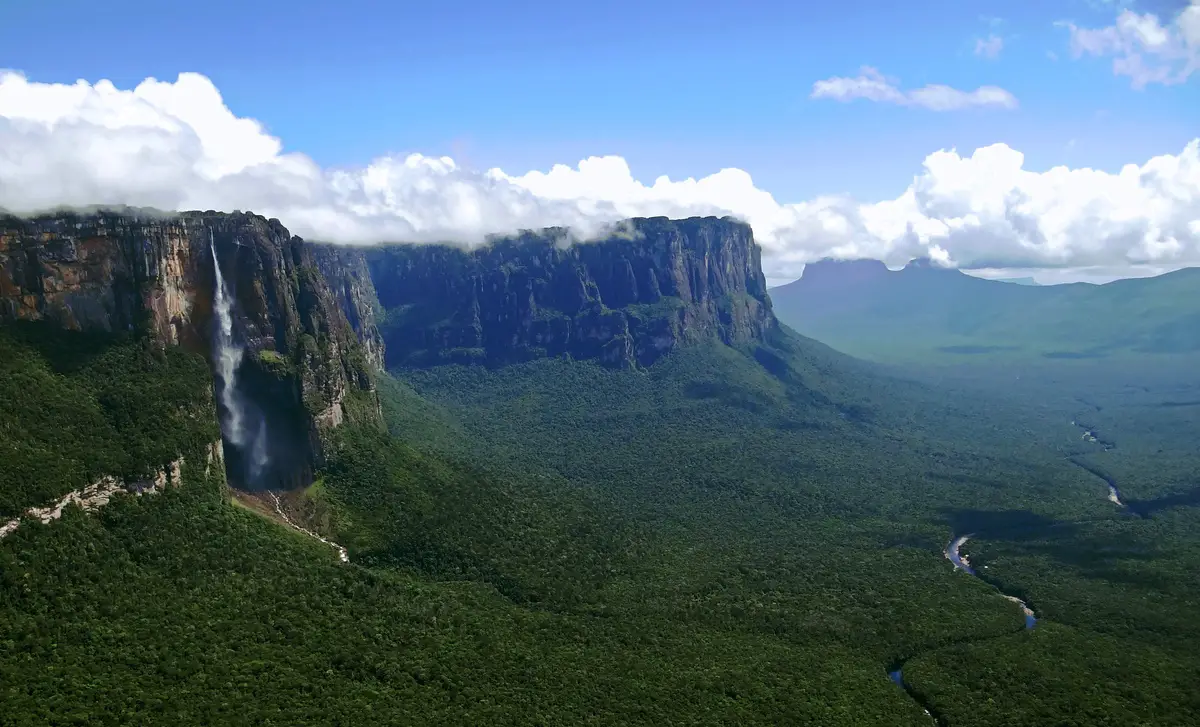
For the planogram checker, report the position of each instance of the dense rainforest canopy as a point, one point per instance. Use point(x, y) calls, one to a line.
point(732, 536)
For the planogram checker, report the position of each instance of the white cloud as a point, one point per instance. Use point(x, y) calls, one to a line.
point(989, 47)
point(872, 85)
point(1143, 48)
point(176, 146)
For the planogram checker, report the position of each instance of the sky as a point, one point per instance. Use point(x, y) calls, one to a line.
point(1057, 138)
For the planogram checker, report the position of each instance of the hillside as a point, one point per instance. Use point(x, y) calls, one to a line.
point(76, 407)
point(928, 314)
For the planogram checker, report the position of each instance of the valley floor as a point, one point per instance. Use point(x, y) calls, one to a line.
point(718, 540)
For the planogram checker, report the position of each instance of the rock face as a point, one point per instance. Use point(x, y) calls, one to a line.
point(110, 272)
point(626, 300)
point(98, 494)
point(345, 270)
point(145, 272)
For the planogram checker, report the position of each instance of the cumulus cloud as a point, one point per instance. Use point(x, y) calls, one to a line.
point(175, 145)
point(872, 85)
point(1143, 48)
point(989, 47)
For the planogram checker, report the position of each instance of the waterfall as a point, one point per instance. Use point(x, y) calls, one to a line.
point(227, 355)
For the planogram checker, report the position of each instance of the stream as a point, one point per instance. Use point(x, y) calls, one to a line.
point(1089, 435)
point(343, 555)
point(953, 553)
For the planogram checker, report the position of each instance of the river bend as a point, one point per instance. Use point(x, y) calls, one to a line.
point(953, 553)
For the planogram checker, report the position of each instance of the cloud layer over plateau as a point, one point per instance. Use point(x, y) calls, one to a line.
point(177, 146)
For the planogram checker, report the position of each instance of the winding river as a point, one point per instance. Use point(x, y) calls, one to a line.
point(953, 553)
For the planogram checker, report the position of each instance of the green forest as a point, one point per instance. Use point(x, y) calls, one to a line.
point(728, 537)
point(76, 406)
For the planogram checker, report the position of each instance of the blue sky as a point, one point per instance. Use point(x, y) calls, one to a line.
point(677, 88)
point(1074, 125)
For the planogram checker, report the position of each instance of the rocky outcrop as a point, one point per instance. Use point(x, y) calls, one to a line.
point(626, 300)
point(98, 494)
point(142, 271)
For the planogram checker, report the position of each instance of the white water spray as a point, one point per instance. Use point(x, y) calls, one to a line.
point(228, 356)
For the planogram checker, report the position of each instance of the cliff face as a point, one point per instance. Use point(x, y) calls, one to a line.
point(345, 270)
point(138, 271)
point(627, 300)
point(104, 272)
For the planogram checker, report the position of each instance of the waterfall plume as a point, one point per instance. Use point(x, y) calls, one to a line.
point(227, 356)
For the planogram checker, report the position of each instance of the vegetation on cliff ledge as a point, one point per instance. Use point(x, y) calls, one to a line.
point(77, 406)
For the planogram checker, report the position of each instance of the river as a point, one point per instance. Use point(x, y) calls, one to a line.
point(954, 554)
point(1089, 435)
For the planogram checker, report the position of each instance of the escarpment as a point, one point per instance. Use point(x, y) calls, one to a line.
point(303, 325)
point(626, 300)
point(304, 368)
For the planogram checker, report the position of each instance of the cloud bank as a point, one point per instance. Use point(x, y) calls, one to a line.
point(872, 85)
point(175, 145)
point(1143, 48)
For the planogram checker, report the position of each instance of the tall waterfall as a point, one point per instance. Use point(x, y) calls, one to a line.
point(227, 354)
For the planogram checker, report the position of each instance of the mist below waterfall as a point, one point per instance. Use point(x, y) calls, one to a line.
point(241, 424)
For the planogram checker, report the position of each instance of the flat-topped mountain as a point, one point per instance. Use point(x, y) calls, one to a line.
point(625, 300)
point(923, 311)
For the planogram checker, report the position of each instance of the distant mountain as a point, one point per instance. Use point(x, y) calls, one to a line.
point(1018, 281)
point(923, 312)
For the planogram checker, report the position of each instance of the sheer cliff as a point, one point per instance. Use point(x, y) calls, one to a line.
point(345, 270)
point(152, 274)
point(626, 300)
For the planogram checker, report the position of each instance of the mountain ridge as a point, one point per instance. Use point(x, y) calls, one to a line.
point(928, 313)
